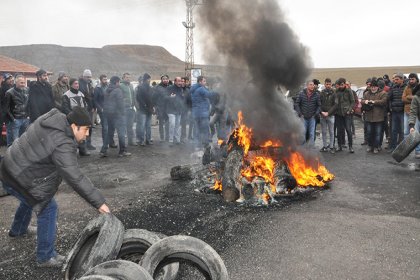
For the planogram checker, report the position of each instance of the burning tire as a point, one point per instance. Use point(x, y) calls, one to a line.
point(136, 242)
point(118, 269)
point(100, 241)
point(185, 248)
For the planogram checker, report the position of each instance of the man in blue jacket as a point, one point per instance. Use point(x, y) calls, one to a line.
point(33, 169)
point(200, 98)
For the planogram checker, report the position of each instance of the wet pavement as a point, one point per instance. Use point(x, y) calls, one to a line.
point(366, 225)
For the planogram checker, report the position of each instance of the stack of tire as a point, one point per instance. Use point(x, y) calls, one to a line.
point(105, 250)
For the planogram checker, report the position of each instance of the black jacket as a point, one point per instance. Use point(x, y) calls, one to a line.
point(308, 107)
point(114, 100)
point(144, 95)
point(329, 101)
point(16, 101)
point(38, 160)
point(395, 98)
point(40, 100)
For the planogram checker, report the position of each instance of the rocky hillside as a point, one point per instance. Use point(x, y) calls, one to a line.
point(111, 60)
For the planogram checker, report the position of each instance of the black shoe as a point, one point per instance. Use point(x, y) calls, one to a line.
point(364, 143)
point(90, 147)
point(344, 147)
point(149, 142)
point(84, 154)
point(103, 154)
point(113, 146)
point(351, 150)
point(324, 149)
point(132, 144)
point(339, 149)
point(124, 154)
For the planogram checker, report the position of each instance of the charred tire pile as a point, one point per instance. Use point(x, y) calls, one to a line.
point(105, 251)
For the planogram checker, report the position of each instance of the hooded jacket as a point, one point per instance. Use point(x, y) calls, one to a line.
point(38, 160)
point(200, 99)
point(114, 101)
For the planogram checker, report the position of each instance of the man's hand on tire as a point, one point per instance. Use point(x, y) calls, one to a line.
point(104, 209)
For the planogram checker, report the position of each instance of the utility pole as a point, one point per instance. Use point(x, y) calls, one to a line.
point(189, 42)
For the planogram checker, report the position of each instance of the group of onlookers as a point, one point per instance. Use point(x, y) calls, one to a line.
point(389, 108)
point(183, 112)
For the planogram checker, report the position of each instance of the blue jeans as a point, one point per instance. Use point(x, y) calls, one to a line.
point(397, 120)
point(374, 133)
point(203, 134)
point(144, 126)
point(46, 225)
point(129, 121)
point(327, 124)
point(309, 126)
point(104, 126)
point(115, 122)
point(174, 128)
point(15, 129)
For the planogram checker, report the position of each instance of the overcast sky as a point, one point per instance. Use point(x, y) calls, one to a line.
point(354, 33)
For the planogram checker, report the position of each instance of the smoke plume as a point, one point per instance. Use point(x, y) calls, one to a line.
point(262, 53)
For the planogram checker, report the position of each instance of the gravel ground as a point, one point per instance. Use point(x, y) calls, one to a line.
point(364, 226)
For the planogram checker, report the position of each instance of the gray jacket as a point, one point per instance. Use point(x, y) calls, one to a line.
point(38, 160)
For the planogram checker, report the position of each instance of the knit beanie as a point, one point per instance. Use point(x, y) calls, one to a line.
point(61, 74)
point(87, 73)
point(79, 116)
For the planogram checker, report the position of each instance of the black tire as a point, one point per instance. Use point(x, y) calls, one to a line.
point(121, 270)
point(136, 242)
point(185, 248)
point(406, 146)
point(100, 241)
point(96, 277)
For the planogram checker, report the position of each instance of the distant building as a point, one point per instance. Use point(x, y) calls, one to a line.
point(13, 66)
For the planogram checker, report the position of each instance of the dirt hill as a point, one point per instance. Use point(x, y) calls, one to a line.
point(138, 59)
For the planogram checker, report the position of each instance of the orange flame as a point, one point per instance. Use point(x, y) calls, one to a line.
point(243, 134)
point(262, 167)
point(270, 143)
point(217, 185)
point(306, 175)
point(220, 142)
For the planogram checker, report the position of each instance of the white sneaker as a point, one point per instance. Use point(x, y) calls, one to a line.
point(56, 261)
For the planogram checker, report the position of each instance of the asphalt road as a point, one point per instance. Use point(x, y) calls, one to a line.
point(366, 225)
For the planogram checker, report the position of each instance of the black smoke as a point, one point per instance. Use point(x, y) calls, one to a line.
point(262, 52)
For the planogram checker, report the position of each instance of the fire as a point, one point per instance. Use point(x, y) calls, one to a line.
point(306, 175)
point(262, 167)
point(220, 142)
point(243, 134)
point(270, 143)
point(217, 185)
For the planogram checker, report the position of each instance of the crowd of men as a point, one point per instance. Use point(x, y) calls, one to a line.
point(390, 110)
point(119, 105)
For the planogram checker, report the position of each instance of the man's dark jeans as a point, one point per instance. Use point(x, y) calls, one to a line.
point(397, 123)
point(202, 124)
point(115, 122)
point(343, 127)
point(374, 133)
point(46, 225)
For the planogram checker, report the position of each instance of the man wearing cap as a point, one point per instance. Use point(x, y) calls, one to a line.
point(396, 106)
point(6, 84)
point(343, 116)
point(374, 104)
point(70, 99)
point(59, 88)
point(114, 112)
point(33, 169)
point(86, 87)
point(16, 100)
point(159, 102)
point(408, 96)
point(40, 99)
point(144, 95)
point(129, 105)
